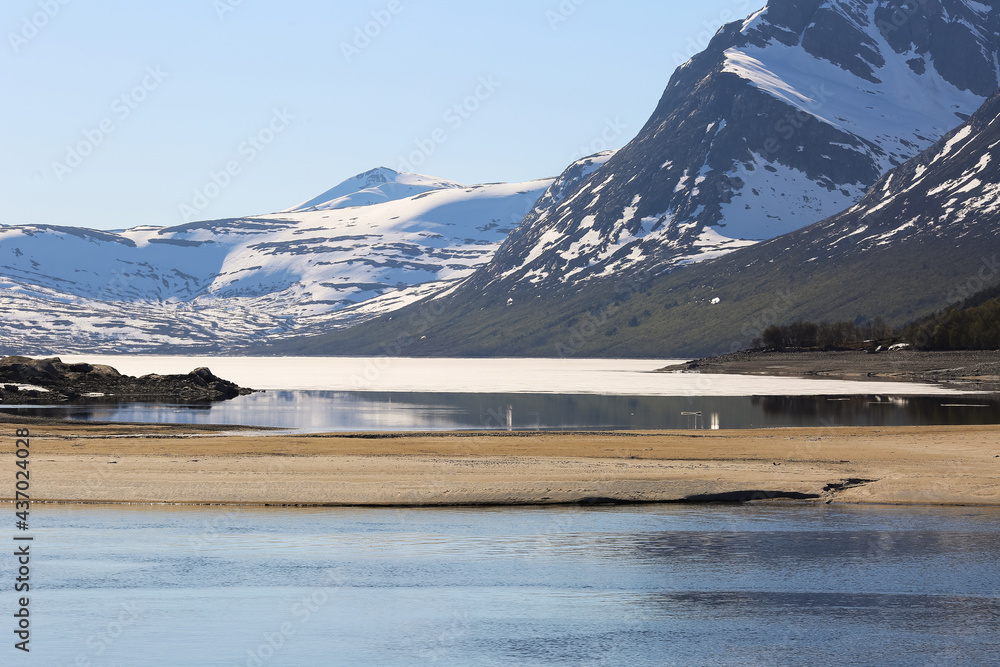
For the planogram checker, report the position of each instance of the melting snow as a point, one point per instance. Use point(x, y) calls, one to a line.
point(682, 183)
point(771, 203)
point(959, 137)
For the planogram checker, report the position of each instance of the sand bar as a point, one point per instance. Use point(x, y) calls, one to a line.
point(189, 465)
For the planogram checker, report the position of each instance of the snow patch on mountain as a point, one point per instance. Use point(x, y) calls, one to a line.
point(895, 115)
point(776, 199)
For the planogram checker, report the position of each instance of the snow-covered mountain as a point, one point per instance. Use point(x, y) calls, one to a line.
point(374, 187)
point(943, 203)
point(925, 236)
point(370, 245)
point(786, 118)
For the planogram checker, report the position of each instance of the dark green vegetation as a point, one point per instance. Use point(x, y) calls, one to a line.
point(825, 335)
point(973, 324)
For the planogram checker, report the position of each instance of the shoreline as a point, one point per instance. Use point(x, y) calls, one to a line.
point(154, 464)
point(967, 371)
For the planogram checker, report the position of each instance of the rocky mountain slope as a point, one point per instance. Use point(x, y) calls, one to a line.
point(786, 118)
point(371, 245)
point(924, 236)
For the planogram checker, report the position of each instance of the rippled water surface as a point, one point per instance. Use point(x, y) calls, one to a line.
point(652, 585)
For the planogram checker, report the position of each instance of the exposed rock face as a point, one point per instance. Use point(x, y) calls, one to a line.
point(27, 380)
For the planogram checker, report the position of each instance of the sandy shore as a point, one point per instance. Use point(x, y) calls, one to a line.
point(173, 464)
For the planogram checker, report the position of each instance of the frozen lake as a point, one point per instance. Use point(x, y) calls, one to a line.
point(609, 377)
point(387, 394)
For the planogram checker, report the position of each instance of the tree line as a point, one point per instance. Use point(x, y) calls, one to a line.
point(973, 324)
point(826, 335)
point(973, 327)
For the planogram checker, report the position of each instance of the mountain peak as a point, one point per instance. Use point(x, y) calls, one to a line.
point(374, 186)
point(924, 237)
point(787, 118)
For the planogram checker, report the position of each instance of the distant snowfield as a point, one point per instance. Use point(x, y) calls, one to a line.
point(373, 244)
point(374, 187)
point(609, 377)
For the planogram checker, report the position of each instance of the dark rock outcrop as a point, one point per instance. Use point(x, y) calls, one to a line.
point(26, 380)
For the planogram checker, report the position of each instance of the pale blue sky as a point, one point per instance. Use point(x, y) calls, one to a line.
point(155, 98)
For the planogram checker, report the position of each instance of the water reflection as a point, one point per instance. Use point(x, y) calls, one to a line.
point(411, 411)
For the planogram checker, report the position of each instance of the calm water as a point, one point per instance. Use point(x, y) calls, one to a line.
point(419, 411)
point(653, 585)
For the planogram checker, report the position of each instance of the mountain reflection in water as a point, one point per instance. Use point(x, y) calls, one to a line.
point(417, 411)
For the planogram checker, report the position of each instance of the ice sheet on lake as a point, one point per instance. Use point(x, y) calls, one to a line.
point(612, 377)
